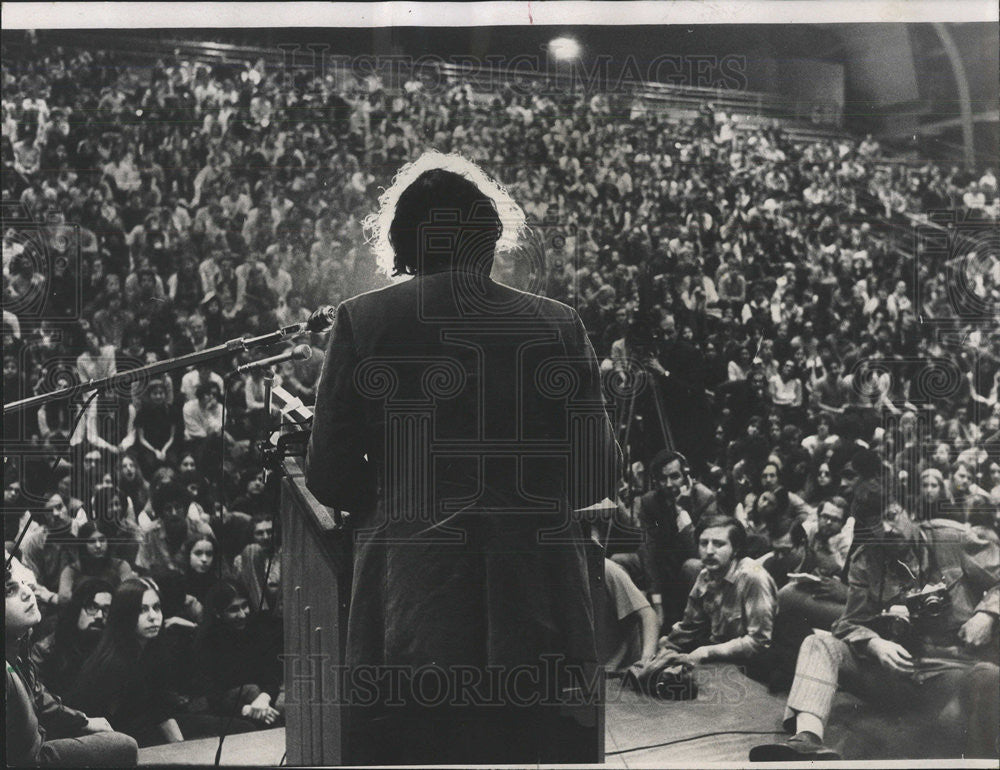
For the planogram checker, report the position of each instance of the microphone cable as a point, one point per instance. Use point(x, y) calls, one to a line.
point(699, 736)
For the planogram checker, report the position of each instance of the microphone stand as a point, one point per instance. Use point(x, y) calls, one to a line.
point(143, 372)
point(268, 384)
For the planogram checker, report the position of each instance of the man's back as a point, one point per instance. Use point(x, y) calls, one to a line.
point(458, 420)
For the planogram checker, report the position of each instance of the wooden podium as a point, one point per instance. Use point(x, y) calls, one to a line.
point(316, 582)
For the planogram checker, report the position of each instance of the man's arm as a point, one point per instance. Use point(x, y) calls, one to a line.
point(58, 719)
point(597, 467)
point(861, 607)
point(693, 627)
point(337, 469)
point(701, 502)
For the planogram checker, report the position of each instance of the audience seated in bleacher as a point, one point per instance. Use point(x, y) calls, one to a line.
point(766, 282)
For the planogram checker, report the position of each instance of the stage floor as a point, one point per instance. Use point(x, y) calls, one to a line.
point(263, 748)
point(731, 714)
point(645, 732)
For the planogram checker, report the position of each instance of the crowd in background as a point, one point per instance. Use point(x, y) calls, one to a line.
point(758, 280)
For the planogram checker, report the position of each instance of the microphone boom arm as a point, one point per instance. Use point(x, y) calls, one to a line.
point(237, 345)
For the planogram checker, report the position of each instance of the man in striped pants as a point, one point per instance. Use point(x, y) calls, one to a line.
point(950, 652)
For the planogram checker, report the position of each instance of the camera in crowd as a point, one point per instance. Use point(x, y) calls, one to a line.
point(927, 607)
point(921, 615)
point(669, 676)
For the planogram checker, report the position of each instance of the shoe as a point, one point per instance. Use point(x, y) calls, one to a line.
point(798, 748)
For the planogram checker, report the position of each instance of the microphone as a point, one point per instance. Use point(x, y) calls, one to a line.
point(321, 319)
point(298, 353)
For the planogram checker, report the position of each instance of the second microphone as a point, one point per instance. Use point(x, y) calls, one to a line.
point(298, 353)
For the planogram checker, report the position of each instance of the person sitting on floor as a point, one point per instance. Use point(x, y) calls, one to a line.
point(257, 567)
point(40, 729)
point(92, 560)
point(730, 611)
point(920, 630)
point(126, 677)
point(629, 629)
point(237, 654)
point(667, 538)
point(815, 594)
point(60, 655)
point(202, 568)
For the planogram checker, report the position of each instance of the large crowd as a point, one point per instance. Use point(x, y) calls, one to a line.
point(756, 280)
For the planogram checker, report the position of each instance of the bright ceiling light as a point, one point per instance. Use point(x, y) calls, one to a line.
point(564, 48)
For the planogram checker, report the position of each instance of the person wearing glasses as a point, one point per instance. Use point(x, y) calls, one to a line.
point(127, 678)
point(60, 655)
point(919, 634)
point(815, 594)
point(40, 729)
point(822, 484)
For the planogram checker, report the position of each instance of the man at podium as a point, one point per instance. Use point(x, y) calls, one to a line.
point(461, 422)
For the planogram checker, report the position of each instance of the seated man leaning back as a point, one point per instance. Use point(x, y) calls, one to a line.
point(919, 633)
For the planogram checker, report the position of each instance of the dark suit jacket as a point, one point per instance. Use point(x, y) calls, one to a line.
point(663, 552)
point(459, 421)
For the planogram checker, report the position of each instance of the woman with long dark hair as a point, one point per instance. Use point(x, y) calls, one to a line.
point(93, 560)
point(132, 482)
point(201, 564)
point(822, 484)
point(237, 651)
point(125, 679)
point(113, 513)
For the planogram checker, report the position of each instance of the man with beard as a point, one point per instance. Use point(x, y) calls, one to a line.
point(60, 655)
point(164, 532)
point(40, 730)
point(919, 631)
point(730, 611)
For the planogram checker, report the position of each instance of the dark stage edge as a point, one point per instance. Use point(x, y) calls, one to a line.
point(709, 729)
